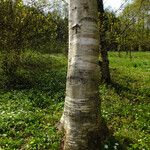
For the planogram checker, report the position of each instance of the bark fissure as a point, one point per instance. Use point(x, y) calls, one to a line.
point(88, 19)
point(76, 27)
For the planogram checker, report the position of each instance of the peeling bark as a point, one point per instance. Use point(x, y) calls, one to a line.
point(81, 116)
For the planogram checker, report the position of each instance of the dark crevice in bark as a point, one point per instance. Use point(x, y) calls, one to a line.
point(94, 142)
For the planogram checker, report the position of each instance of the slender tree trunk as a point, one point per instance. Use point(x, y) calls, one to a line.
point(81, 116)
point(119, 50)
point(103, 48)
point(131, 49)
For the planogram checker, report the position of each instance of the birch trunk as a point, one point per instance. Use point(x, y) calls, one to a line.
point(81, 116)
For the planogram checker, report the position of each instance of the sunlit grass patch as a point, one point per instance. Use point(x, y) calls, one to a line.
point(125, 103)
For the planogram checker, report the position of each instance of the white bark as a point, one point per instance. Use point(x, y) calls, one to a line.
point(81, 117)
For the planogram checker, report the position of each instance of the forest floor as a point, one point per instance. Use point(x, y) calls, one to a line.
point(31, 103)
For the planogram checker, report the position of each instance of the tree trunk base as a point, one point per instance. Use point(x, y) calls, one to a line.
point(93, 140)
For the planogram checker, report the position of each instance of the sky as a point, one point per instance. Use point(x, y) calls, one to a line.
point(113, 4)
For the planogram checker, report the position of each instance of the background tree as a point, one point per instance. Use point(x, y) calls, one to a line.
point(28, 27)
point(135, 25)
point(103, 48)
point(12, 25)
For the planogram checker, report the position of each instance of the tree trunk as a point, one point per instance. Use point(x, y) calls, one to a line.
point(103, 48)
point(81, 116)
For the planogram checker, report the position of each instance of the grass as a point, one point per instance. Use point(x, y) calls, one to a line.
point(125, 103)
point(33, 103)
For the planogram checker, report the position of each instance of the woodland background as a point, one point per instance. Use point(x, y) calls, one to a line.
point(33, 64)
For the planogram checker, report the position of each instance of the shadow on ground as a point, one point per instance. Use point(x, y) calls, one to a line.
point(110, 142)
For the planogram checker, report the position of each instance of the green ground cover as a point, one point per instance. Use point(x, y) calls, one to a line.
point(126, 103)
point(32, 104)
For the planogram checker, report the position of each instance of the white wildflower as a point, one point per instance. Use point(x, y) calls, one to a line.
point(106, 146)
